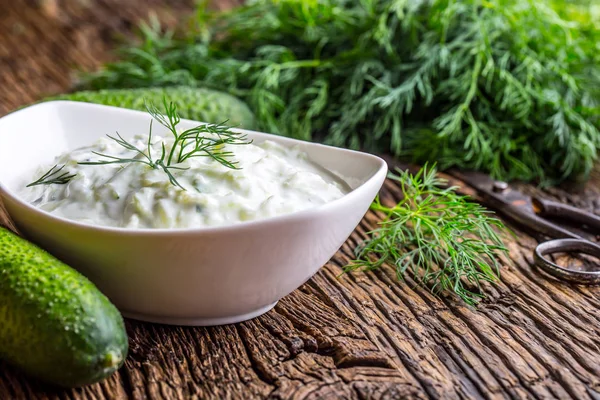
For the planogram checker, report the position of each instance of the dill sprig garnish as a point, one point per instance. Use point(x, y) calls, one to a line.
point(53, 177)
point(511, 87)
point(207, 140)
point(142, 157)
point(444, 241)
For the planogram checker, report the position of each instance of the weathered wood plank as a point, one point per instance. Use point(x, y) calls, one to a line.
point(358, 336)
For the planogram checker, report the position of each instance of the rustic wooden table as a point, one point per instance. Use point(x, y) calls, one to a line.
point(363, 336)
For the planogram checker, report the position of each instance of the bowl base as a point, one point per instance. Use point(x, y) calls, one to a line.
point(198, 321)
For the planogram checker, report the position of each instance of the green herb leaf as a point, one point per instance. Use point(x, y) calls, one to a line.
point(206, 140)
point(439, 237)
point(54, 177)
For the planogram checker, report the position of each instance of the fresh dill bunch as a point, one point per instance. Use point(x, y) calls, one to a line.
point(205, 140)
point(445, 242)
point(510, 87)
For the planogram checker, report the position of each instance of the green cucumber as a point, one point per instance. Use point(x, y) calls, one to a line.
point(197, 104)
point(54, 323)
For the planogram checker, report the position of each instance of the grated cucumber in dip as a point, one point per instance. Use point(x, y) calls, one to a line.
point(270, 180)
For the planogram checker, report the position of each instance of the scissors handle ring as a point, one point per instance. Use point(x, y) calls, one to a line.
point(565, 245)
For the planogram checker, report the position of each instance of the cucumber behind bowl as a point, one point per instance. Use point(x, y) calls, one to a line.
point(197, 104)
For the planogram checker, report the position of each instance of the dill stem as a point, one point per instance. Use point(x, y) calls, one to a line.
point(172, 151)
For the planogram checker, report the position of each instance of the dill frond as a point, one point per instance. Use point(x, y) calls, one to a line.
point(53, 177)
point(444, 241)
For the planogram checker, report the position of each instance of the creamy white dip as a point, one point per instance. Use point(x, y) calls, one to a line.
point(271, 180)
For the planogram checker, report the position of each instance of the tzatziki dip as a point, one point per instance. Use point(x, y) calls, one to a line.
point(268, 180)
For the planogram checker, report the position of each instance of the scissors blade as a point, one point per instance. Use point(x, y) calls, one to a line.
point(510, 203)
point(498, 193)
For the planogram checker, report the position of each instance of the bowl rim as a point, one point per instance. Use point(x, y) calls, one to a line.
point(242, 225)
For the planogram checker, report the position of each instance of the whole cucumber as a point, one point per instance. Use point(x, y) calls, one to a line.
point(54, 323)
point(198, 104)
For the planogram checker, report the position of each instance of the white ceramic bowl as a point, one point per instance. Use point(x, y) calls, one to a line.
point(204, 276)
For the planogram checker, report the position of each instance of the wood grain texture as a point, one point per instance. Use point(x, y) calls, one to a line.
point(359, 336)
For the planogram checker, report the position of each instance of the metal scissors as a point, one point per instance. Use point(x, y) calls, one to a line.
point(530, 212)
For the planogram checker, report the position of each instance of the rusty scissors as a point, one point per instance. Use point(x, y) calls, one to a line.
point(531, 213)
